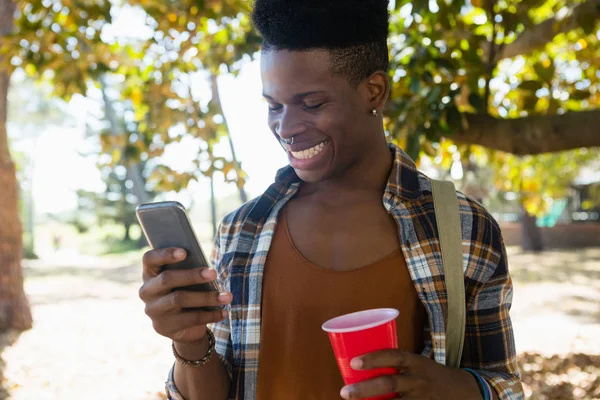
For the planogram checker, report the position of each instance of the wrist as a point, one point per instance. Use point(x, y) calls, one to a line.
point(462, 385)
point(485, 390)
point(192, 350)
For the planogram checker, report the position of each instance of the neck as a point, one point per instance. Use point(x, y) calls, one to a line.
point(368, 176)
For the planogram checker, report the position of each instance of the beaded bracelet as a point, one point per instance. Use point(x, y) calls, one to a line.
point(201, 362)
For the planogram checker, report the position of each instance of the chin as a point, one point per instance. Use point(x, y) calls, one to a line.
point(312, 176)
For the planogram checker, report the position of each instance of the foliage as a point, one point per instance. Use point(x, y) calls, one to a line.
point(451, 62)
point(540, 179)
point(67, 42)
point(536, 180)
point(447, 63)
point(116, 204)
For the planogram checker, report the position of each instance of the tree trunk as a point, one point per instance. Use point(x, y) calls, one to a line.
point(15, 313)
point(531, 237)
point(127, 235)
point(217, 99)
point(213, 205)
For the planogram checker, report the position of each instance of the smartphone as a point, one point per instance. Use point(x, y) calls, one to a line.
point(166, 224)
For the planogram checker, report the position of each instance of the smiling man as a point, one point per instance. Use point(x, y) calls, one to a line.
point(349, 225)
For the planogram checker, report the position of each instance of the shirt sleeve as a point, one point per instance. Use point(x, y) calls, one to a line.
point(489, 341)
point(221, 330)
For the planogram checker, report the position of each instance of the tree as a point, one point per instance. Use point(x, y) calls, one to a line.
point(515, 76)
point(519, 78)
point(15, 313)
point(31, 110)
point(115, 204)
point(63, 41)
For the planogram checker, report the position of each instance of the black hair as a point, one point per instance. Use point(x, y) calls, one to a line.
point(354, 32)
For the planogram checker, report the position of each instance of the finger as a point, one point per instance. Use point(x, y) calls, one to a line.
point(380, 386)
point(180, 299)
point(390, 358)
point(172, 326)
point(154, 259)
point(168, 280)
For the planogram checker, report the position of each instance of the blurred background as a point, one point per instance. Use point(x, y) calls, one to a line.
point(108, 104)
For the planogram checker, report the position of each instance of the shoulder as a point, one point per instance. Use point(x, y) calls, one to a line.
point(232, 223)
point(478, 224)
point(255, 210)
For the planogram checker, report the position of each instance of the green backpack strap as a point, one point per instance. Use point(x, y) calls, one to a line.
point(450, 234)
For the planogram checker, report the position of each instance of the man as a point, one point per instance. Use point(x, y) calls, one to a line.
point(349, 225)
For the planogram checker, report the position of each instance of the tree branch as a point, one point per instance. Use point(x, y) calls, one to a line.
point(534, 134)
point(541, 34)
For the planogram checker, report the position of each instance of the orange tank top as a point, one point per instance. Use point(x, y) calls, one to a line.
point(296, 360)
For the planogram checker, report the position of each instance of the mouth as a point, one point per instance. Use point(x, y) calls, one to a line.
point(308, 153)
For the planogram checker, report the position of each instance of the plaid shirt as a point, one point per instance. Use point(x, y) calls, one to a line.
point(242, 246)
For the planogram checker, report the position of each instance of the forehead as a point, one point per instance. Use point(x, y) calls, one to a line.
point(286, 72)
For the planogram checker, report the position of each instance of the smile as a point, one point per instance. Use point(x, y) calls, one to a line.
point(307, 154)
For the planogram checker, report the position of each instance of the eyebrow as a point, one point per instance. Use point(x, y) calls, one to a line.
point(297, 97)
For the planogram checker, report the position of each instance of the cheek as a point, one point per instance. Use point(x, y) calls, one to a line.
point(342, 127)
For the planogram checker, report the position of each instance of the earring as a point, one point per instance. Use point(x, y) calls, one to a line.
point(374, 112)
point(288, 141)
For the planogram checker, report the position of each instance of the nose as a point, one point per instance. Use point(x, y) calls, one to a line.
point(288, 124)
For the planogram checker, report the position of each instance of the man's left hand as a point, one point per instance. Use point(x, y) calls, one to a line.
point(418, 378)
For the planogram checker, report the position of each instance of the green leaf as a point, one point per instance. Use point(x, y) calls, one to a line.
point(476, 101)
point(529, 4)
point(413, 145)
point(546, 73)
point(588, 22)
point(472, 56)
point(415, 84)
point(434, 95)
point(428, 77)
point(454, 118)
point(531, 85)
point(580, 94)
point(454, 92)
point(419, 5)
point(444, 63)
point(530, 101)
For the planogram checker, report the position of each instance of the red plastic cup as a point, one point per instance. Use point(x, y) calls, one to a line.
point(359, 333)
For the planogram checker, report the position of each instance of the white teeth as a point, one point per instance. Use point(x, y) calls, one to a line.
point(309, 153)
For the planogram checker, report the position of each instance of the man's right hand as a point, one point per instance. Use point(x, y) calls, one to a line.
point(168, 308)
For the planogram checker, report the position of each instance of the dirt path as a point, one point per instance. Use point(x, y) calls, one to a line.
point(91, 339)
point(556, 307)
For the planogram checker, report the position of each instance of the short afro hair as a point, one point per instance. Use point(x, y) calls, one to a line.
point(354, 32)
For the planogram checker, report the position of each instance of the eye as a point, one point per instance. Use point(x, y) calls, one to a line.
point(274, 108)
point(314, 107)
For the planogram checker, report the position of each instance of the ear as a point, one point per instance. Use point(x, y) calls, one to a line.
point(378, 88)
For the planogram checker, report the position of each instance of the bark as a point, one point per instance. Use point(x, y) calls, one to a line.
point(213, 205)
point(531, 236)
point(538, 36)
point(15, 313)
point(533, 134)
point(127, 235)
point(217, 99)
